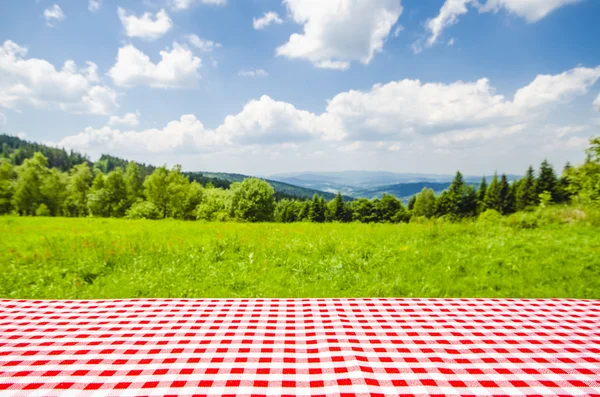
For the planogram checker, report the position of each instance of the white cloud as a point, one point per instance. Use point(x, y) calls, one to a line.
point(187, 132)
point(36, 82)
point(267, 19)
point(531, 10)
point(459, 114)
point(201, 44)
point(94, 5)
point(54, 15)
point(185, 4)
point(253, 73)
point(399, 29)
point(146, 26)
point(597, 103)
point(451, 42)
point(337, 32)
point(131, 119)
point(177, 68)
point(268, 121)
point(547, 89)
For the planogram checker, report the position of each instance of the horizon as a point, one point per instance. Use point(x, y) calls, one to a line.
point(385, 86)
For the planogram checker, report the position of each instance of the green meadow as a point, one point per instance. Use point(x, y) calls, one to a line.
point(553, 253)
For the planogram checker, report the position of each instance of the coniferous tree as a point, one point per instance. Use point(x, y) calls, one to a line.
point(338, 209)
point(493, 195)
point(546, 181)
point(481, 194)
point(526, 196)
point(316, 212)
point(505, 196)
point(562, 187)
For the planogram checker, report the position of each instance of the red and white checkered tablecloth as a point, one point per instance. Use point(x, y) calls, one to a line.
point(307, 347)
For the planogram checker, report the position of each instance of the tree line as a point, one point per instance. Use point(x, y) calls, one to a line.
point(33, 187)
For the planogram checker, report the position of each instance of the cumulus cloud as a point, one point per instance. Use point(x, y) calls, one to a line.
point(36, 82)
point(531, 10)
point(458, 114)
point(267, 19)
point(187, 132)
point(337, 32)
point(54, 15)
point(94, 5)
point(131, 119)
point(201, 44)
point(185, 4)
point(178, 68)
point(253, 73)
point(146, 26)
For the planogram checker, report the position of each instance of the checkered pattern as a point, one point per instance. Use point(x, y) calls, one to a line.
point(308, 347)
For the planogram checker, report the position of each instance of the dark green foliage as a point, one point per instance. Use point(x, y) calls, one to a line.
point(481, 195)
point(17, 150)
point(526, 196)
point(391, 210)
point(338, 210)
point(317, 209)
point(364, 210)
point(547, 180)
point(493, 195)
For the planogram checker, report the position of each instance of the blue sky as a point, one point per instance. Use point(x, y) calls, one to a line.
point(406, 86)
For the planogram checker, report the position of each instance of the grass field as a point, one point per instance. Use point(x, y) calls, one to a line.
point(62, 258)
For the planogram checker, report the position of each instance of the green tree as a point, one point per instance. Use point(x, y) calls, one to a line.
point(507, 197)
point(156, 189)
point(177, 190)
point(134, 182)
point(253, 200)
point(316, 212)
point(425, 203)
point(193, 199)
point(562, 187)
point(215, 206)
point(339, 209)
point(54, 191)
point(546, 181)
point(526, 196)
point(116, 189)
point(7, 175)
point(481, 195)
point(27, 194)
point(79, 187)
point(411, 202)
point(493, 195)
point(304, 210)
point(364, 210)
point(390, 209)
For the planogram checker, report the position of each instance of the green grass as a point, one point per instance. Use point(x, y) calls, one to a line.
point(60, 258)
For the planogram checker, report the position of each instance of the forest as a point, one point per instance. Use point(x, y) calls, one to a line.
point(43, 181)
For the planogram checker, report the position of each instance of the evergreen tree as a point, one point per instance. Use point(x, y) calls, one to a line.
point(411, 202)
point(339, 210)
point(562, 187)
point(546, 181)
point(506, 204)
point(304, 210)
point(493, 195)
point(316, 212)
point(481, 194)
point(526, 196)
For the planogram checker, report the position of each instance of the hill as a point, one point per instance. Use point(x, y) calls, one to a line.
point(17, 150)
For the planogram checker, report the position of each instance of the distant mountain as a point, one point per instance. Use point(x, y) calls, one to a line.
point(373, 183)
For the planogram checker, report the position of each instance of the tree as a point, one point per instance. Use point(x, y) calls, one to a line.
point(215, 206)
point(79, 187)
point(339, 210)
point(493, 195)
point(54, 191)
point(481, 194)
point(177, 189)
point(459, 201)
point(363, 210)
point(411, 202)
point(134, 182)
point(27, 194)
point(526, 196)
point(425, 203)
point(253, 200)
point(390, 209)
point(546, 181)
point(155, 189)
point(316, 211)
point(193, 199)
point(7, 174)
point(304, 210)
point(116, 190)
point(562, 187)
point(506, 196)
